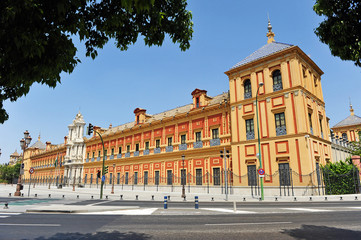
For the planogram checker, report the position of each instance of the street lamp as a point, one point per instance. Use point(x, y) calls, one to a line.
point(112, 192)
point(259, 140)
point(24, 143)
point(183, 179)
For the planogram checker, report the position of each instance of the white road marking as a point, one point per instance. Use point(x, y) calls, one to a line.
point(308, 209)
point(10, 213)
point(97, 203)
point(227, 210)
point(4, 216)
point(30, 225)
point(237, 224)
point(355, 207)
point(146, 211)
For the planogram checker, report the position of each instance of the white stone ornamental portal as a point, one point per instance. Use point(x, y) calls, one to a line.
point(75, 150)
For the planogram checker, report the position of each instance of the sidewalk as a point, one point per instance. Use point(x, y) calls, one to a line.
point(42, 199)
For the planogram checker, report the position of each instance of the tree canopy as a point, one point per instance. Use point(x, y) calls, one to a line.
point(341, 28)
point(36, 35)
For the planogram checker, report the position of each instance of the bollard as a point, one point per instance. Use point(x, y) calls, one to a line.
point(196, 204)
point(212, 199)
point(341, 199)
point(136, 197)
point(22, 194)
point(36, 195)
point(92, 197)
point(244, 199)
point(165, 202)
point(121, 197)
point(168, 198)
point(106, 197)
point(9, 194)
point(234, 206)
point(276, 199)
point(152, 197)
point(310, 198)
point(356, 198)
point(6, 206)
point(77, 196)
point(49, 195)
point(325, 198)
point(63, 196)
point(295, 199)
point(184, 198)
point(260, 199)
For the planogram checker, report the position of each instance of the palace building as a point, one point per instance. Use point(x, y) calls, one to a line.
point(348, 129)
point(274, 112)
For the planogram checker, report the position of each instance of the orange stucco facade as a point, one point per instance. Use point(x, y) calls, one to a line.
point(275, 94)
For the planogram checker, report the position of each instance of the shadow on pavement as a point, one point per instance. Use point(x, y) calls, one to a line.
point(310, 232)
point(99, 235)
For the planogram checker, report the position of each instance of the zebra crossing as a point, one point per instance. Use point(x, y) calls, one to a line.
point(214, 211)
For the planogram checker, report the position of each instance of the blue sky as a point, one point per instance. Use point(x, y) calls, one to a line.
point(108, 89)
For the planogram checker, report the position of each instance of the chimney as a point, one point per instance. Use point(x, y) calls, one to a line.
point(48, 146)
point(65, 140)
point(95, 128)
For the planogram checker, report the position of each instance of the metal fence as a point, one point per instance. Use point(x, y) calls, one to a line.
point(284, 181)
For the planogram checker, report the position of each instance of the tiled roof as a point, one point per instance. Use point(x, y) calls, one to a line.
point(264, 51)
point(349, 121)
point(215, 100)
point(15, 154)
point(38, 144)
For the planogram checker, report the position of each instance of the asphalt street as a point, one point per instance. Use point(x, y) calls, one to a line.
point(305, 225)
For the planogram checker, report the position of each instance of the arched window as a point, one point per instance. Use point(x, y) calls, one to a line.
point(247, 89)
point(277, 80)
point(344, 136)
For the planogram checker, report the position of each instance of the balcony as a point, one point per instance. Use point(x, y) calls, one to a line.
point(249, 135)
point(198, 144)
point(156, 150)
point(127, 154)
point(183, 146)
point(146, 152)
point(119, 155)
point(111, 157)
point(281, 131)
point(215, 142)
point(277, 87)
point(169, 148)
point(136, 154)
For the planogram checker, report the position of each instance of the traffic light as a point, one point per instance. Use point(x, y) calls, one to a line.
point(90, 129)
point(221, 154)
point(22, 165)
point(227, 155)
point(105, 170)
point(98, 174)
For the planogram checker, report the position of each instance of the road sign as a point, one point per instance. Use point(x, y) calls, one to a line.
point(103, 178)
point(261, 171)
point(31, 170)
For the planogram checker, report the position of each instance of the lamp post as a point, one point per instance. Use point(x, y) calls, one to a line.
point(24, 143)
point(259, 140)
point(183, 179)
point(112, 192)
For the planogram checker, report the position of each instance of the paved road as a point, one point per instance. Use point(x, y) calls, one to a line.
point(305, 225)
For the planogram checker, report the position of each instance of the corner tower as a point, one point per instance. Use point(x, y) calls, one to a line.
point(292, 125)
